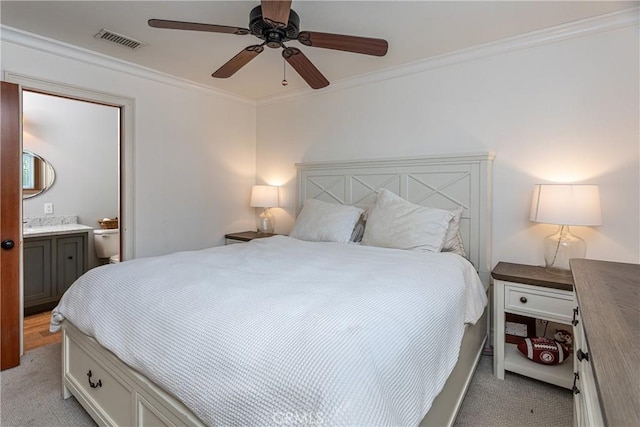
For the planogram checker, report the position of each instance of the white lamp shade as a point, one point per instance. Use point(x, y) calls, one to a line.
point(566, 204)
point(264, 196)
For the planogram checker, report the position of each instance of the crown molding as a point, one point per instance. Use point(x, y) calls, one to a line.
point(65, 50)
point(558, 33)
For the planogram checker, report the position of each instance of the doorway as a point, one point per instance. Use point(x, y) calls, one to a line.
point(69, 185)
point(125, 154)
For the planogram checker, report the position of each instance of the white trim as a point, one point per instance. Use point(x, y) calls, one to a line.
point(558, 33)
point(127, 187)
point(65, 50)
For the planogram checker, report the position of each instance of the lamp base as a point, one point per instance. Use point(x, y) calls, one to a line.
point(266, 222)
point(559, 248)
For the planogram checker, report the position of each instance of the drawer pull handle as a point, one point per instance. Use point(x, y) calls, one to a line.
point(92, 384)
point(575, 321)
point(575, 388)
point(523, 300)
point(581, 355)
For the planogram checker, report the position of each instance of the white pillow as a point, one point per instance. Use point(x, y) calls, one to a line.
point(395, 223)
point(325, 222)
point(453, 239)
point(458, 248)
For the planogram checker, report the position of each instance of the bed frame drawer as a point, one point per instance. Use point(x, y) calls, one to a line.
point(150, 415)
point(103, 391)
point(119, 396)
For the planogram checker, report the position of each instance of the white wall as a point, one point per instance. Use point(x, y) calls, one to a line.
point(561, 112)
point(80, 140)
point(566, 111)
point(194, 151)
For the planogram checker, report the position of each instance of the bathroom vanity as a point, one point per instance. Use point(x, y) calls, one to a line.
point(54, 257)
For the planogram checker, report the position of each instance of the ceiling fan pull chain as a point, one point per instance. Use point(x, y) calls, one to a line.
point(284, 72)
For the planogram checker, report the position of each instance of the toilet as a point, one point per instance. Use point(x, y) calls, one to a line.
point(107, 244)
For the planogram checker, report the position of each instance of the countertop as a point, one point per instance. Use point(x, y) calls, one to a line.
point(55, 230)
point(609, 301)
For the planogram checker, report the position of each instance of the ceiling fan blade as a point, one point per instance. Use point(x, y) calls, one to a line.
point(365, 45)
point(192, 26)
point(238, 61)
point(305, 68)
point(276, 12)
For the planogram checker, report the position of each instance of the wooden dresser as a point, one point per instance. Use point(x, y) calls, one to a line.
point(607, 343)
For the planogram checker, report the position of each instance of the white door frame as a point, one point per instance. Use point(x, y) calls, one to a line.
point(126, 183)
point(126, 178)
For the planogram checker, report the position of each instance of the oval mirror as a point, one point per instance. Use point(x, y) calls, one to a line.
point(37, 174)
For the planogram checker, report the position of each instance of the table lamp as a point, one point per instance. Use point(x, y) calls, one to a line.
point(565, 205)
point(265, 196)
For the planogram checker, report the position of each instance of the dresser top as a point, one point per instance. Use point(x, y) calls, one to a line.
point(531, 275)
point(609, 300)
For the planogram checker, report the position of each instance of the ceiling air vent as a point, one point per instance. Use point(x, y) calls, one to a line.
point(116, 38)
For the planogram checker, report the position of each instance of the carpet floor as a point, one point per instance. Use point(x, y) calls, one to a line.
point(30, 396)
point(516, 401)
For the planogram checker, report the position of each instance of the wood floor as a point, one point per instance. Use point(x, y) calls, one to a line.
point(36, 331)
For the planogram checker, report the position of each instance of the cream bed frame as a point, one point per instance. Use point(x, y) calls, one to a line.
point(114, 394)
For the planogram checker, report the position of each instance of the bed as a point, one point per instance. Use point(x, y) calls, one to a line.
point(292, 331)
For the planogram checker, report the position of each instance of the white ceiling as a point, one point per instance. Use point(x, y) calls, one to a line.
point(415, 30)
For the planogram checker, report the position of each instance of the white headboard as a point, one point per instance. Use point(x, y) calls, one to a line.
point(436, 181)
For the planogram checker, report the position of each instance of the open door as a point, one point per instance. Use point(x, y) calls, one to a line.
point(10, 224)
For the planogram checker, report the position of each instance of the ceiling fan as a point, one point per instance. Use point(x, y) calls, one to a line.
point(275, 23)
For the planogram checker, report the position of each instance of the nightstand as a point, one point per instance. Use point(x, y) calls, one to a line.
point(533, 292)
point(244, 237)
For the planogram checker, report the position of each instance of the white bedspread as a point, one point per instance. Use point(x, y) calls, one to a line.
point(280, 331)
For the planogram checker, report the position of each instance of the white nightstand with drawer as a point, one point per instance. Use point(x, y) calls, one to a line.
point(532, 292)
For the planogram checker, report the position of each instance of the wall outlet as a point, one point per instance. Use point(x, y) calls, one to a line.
point(48, 208)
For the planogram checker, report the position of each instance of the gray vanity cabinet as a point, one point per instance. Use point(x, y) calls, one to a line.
point(70, 260)
point(38, 277)
point(51, 265)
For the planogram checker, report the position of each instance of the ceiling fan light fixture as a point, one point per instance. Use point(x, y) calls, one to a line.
point(274, 39)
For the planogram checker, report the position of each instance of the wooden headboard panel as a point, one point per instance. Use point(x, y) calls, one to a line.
point(436, 181)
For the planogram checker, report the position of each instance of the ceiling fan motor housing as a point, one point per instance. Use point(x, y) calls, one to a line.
point(273, 36)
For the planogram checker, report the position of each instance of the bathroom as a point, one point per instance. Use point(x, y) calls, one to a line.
point(71, 147)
